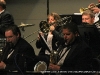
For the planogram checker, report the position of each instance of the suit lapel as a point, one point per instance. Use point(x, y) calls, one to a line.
point(71, 51)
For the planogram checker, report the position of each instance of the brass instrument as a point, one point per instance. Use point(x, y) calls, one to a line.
point(44, 26)
point(53, 53)
point(84, 9)
point(54, 57)
point(40, 66)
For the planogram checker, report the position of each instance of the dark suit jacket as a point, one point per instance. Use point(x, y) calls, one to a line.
point(91, 36)
point(79, 57)
point(6, 19)
point(22, 57)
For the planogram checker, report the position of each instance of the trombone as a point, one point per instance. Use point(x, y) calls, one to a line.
point(44, 26)
point(84, 9)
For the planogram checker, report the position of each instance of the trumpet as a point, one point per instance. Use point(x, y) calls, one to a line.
point(84, 9)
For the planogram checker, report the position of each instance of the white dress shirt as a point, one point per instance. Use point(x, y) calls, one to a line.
point(96, 17)
point(49, 43)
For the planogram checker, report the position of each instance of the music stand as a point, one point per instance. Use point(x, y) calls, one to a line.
point(91, 36)
point(89, 33)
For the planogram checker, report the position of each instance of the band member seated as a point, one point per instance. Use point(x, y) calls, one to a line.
point(6, 18)
point(18, 54)
point(75, 55)
point(90, 33)
point(51, 39)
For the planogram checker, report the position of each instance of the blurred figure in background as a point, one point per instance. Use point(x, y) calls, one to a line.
point(96, 10)
point(88, 17)
point(6, 19)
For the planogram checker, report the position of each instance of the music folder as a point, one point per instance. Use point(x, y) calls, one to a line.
point(44, 42)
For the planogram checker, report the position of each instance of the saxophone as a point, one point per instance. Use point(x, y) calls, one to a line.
point(54, 57)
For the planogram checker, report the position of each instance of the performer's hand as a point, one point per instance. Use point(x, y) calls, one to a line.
point(41, 33)
point(91, 5)
point(54, 67)
point(95, 10)
point(2, 65)
point(52, 28)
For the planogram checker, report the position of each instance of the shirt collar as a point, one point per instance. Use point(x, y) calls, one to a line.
point(2, 11)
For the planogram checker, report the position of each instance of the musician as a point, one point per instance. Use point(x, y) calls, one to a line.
point(88, 17)
point(18, 54)
point(88, 21)
point(75, 55)
point(51, 39)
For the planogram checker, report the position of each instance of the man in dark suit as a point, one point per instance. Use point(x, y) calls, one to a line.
point(6, 19)
point(75, 55)
point(18, 54)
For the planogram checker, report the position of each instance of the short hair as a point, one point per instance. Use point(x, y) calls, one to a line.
point(89, 12)
point(14, 29)
point(3, 4)
point(71, 27)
